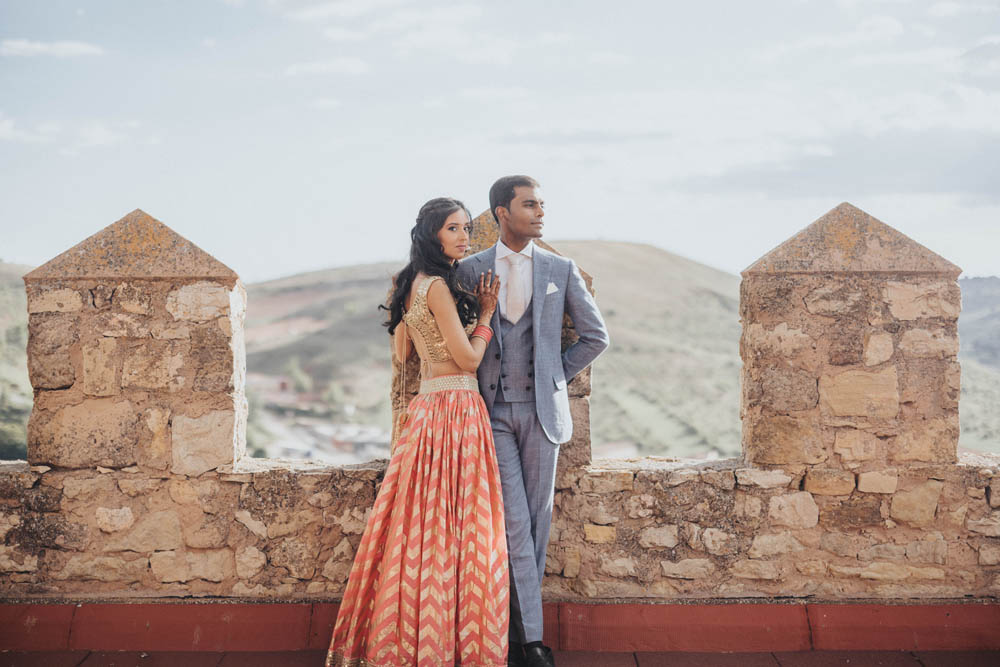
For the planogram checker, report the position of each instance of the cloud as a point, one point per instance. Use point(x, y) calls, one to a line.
point(341, 9)
point(872, 30)
point(898, 162)
point(338, 34)
point(353, 66)
point(942, 10)
point(64, 49)
point(610, 58)
point(327, 103)
point(9, 131)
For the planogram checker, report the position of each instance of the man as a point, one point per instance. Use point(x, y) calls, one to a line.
point(523, 378)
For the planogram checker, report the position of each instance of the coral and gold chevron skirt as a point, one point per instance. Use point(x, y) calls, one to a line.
point(429, 583)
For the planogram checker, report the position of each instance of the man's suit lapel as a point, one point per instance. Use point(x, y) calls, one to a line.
point(541, 268)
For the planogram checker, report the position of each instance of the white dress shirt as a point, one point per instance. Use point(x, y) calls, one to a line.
point(525, 274)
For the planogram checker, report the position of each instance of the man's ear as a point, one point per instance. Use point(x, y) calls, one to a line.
point(501, 213)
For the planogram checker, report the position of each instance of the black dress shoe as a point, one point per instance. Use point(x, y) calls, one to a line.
point(539, 656)
point(515, 656)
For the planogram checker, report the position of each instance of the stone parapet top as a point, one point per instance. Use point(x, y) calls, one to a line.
point(848, 240)
point(137, 246)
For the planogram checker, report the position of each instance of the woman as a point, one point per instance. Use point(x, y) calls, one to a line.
point(429, 582)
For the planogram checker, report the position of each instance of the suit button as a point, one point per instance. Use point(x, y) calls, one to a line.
point(506, 388)
point(531, 375)
point(493, 386)
point(531, 361)
point(503, 375)
point(527, 388)
point(498, 355)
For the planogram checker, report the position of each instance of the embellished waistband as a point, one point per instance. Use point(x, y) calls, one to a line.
point(445, 382)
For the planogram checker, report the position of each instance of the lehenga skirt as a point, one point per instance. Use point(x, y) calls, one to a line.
point(429, 585)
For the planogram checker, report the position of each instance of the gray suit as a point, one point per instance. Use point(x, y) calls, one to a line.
point(525, 391)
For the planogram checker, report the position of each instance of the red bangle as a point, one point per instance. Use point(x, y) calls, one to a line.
point(484, 332)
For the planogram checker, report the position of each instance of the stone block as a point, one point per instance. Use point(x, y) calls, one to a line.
point(606, 481)
point(765, 546)
point(929, 440)
point(918, 505)
point(296, 555)
point(883, 552)
point(198, 302)
point(689, 568)
point(860, 394)
point(640, 506)
point(59, 300)
point(122, 325)
point(50, 339)
point(855, 445)
point(781, 439)
point(765, 479)
point(112, 520)
point(878, 481)
point(795, 510)
point(994, 494)
point(933, 551)
point(170, 566)
point(829, 482)
point(255, 526)
point(834, 300)
point(199, 444)
point(720, 479)
point(755, 569)
point(989, 525)
point(213, 360)
point(211, 533)
point(85, 488)
point(211, 564)
point(96, 432)
point(787, 389)
point(885, 572)
point(782, 341)
point(989, 554)
point(912, 301)
point(878, 348)
point(14, 560)
point(718, 542)
point(658, 537)
point(152, 364)
point(102, 568)
point(599, 534)
point(937, 344)
point(99, 368)
point(618, 567)
point(155, 531)
point(336, 569)
point(133, 298)
point(853, 512)
point(571, 563)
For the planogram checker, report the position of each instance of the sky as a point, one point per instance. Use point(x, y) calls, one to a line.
point(291, 135)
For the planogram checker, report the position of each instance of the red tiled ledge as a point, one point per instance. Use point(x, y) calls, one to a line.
point(742, 626)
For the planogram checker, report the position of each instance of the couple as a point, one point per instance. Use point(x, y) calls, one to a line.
point(455, 544)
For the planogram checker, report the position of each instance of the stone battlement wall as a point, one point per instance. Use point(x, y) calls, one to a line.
point(137, 485)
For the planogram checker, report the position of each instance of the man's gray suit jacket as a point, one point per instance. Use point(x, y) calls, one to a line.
point(557, 288)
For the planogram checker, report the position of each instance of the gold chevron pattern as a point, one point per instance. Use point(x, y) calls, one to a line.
point(429, 587)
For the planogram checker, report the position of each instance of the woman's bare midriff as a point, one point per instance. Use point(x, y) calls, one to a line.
point(439, 368)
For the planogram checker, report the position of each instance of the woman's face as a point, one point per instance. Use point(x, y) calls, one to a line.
point(454, 234)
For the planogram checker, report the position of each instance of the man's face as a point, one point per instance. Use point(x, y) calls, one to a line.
point(523, 219)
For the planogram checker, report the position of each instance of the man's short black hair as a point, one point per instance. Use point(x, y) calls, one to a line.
point(502, 192)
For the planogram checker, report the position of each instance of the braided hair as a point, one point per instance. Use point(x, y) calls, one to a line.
point(427, 256)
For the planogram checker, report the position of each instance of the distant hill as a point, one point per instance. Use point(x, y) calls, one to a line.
point(669, 385)
point(979, 325)
point(15, 391)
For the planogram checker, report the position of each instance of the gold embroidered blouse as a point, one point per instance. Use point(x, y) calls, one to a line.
point(424, 331)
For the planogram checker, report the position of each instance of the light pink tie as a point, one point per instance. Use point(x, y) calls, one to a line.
point(516, 300)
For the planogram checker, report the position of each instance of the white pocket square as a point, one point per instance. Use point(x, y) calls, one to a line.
point(551, 289)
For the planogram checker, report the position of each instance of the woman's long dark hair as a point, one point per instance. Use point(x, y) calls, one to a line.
point(427, 256)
